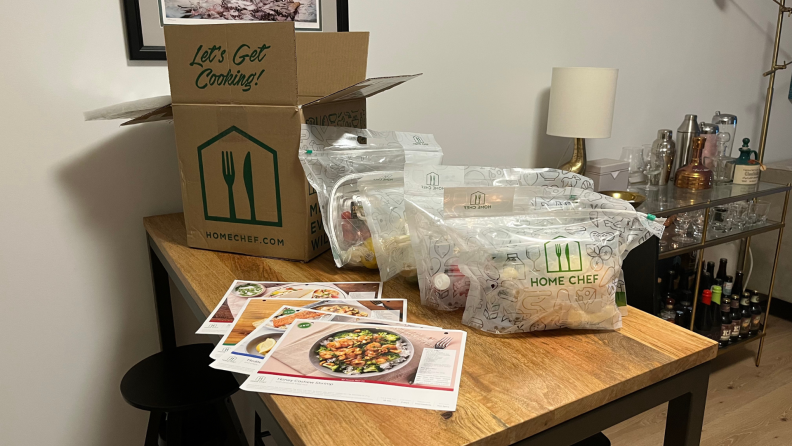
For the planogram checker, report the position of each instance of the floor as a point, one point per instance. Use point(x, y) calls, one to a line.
point(746, 405)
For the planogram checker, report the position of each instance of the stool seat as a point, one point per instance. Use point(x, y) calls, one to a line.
point(176, 380)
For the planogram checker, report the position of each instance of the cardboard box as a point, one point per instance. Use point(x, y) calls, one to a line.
point(239, 95)
point(608, 174)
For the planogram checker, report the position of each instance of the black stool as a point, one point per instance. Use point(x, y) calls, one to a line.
point(178, 387)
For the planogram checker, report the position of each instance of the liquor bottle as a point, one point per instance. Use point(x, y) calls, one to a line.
point(715, 307)
point(727, 286)
point(711, 269)
point(725, 322)
point(735, 318)
point(694, 175)
point(685, 308)
point(704, 314)
point(737, 288)
point(745, 315)
point(746, 170)
point(756, 314)
point(722, 269)
point(671, 283)
point(668, 312)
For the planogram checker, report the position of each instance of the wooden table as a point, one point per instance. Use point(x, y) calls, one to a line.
point(544, 388)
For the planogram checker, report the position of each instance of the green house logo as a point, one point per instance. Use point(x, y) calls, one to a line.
point(563, 255)
point(418, 141)
point(250, 195)
point(432, 179)
point(478, 198)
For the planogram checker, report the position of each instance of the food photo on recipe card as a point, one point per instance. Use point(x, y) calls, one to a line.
point(256, 312)
point(247, 355)
point(226, 311)
point(381, 364)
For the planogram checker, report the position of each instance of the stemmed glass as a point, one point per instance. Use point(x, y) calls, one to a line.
point(682, 224)
point(533, 253)
point(697, 221)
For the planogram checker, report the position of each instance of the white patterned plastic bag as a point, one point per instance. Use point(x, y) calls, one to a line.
point(334, 158)
point(383, 203)
point(423, 189)
point(537, 270)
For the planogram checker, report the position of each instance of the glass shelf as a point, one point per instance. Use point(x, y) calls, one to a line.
point(731, 347)
point(670, 248)
point(669, 200)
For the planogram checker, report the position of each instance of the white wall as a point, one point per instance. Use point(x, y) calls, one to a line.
point(74, 279)
point(487, 70)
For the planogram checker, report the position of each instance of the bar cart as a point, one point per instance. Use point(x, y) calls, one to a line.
point(640, 267)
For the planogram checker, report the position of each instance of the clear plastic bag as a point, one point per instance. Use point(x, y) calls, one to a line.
point(424, 193)
point(335, 158)
point(535, 269)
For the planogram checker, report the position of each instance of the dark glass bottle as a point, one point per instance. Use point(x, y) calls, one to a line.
point(745, 315)
point(711, 268)
point(704, 314)
point(725, 322)
point(715, 307)
point(668, 312)
point(671, 283)
point(722, 269)
point(737, 288)
point(735, 317)
point(685, 307)
point(756, 314)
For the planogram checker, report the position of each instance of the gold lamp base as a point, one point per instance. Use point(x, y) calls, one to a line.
point(578, 162)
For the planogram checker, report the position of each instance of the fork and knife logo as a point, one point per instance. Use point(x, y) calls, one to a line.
point(229, 175)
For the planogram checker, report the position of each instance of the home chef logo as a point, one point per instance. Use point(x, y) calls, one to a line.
point(432, 182)
point(418, 141)
point(563, 256)
point(478, 200)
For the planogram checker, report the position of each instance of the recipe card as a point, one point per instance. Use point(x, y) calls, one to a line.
point(241, 291)
point(249, 353)
point(257, 311)
point(366, 363)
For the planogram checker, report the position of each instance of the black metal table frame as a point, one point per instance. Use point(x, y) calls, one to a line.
point(685, 392)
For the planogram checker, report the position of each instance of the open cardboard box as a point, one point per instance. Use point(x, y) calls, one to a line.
point(240, 93)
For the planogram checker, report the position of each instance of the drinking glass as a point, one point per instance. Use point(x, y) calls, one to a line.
point(757, 212)
point(634, 156)
point(738, 213)
point(653, 166)
point(697, 221)
point(682, 224)
point(719, 219)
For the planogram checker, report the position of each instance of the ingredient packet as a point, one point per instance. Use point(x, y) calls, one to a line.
point(531, 269)
point(335, 158)
point(382, 199)
point(424, 194)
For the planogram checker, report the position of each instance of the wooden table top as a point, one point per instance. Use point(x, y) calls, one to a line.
point(512, 387)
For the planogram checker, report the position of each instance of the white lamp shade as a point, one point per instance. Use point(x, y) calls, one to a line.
point(581, 102)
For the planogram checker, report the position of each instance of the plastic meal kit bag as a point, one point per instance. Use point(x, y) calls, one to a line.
point(335, 158)
point(535, 270)
point(423, 189)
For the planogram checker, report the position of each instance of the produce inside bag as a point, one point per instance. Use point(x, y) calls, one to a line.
point(433, 251)
point(542, 270)
point(334, 159)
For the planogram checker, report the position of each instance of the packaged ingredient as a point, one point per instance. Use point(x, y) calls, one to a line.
point(335, 158)
point(535, 270)
point(423, 189)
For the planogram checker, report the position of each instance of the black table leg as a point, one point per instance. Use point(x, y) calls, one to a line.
point(231, 422)
point(162, 300)
point(685, 418)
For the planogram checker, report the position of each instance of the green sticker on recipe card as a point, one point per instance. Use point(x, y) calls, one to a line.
point(304, 325)
point(288, 311)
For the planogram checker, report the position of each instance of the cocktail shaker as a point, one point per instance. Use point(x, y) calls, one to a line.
point(684, 142)
point(661, 158)
point(727, 124)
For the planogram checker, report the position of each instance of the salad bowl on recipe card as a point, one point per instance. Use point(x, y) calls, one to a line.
point(323, 354)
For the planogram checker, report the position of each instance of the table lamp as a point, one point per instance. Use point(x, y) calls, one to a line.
point(581, 106)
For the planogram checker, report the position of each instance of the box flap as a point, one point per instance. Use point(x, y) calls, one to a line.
point(328, 62)
point(365, 89)
point(164, 113)
point(241, 63)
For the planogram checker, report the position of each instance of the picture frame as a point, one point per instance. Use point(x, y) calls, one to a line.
point(146, 40)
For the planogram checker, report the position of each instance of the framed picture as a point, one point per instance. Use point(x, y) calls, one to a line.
point(145, 18)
